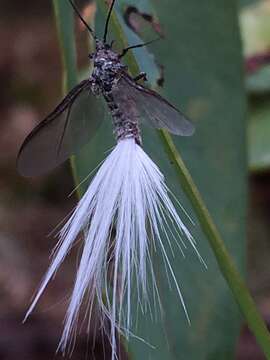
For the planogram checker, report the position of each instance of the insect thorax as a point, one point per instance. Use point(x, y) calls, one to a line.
point(105, 76)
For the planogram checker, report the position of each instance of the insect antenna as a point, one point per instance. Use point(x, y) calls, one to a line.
point(82, 19)
point(107, 21)
point(124, 51)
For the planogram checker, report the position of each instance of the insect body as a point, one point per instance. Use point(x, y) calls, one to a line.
point(108, 71)
point(76, 119)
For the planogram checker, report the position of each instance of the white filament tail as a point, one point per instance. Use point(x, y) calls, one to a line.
point(122, 216)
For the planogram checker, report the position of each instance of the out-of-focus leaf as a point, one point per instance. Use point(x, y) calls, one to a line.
point(247, 2)
point(203, 76)
point(259, 81)
point(255, 30)
point(258, 138)
point(65, 28)
point(255, 27)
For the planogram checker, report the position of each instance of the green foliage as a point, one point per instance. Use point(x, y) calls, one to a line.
point(201, 54)
point(210, 90)
point(255, 28)
point(65, 27)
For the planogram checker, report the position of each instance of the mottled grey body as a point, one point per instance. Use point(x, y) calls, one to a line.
point(107, 71)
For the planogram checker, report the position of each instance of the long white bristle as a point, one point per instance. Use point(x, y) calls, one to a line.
point(127, 194)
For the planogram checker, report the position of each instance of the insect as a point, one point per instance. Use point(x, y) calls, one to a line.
point(76, 119)
point(128, 193)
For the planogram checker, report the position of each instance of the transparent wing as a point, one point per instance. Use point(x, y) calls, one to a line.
point(70, 126)
point(154, 110)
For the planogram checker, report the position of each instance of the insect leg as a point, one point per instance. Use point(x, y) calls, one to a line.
point(124, 51)
point(142, 76)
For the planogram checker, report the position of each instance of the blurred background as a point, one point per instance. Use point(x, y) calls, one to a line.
point(30, 78)
point(30, 71)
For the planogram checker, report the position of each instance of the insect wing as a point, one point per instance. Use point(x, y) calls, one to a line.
point(154, 110)
point(69, 127)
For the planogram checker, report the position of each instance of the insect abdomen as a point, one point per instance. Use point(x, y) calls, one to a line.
point(125, 119)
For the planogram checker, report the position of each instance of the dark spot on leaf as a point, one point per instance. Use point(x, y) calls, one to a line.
point(134, 19)
point(143, 24)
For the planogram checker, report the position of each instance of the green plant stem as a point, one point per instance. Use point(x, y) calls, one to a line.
point(225, 262)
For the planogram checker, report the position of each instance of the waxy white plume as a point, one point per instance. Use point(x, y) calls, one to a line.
point(122, 216)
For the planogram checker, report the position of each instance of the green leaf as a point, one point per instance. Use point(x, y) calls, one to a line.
point(209, 84)
point(65, 27)
point(202, 58)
